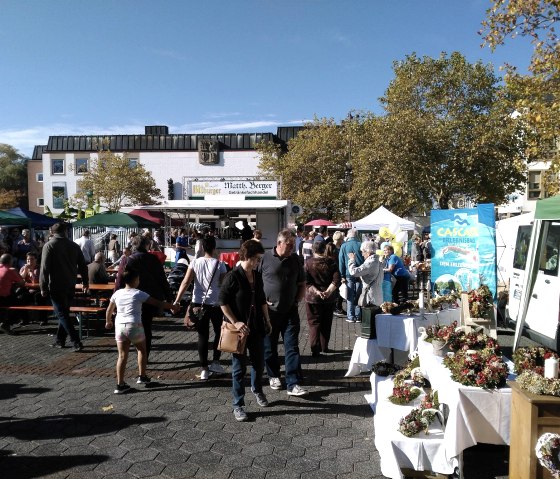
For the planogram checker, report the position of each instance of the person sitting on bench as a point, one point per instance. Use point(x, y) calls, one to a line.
point(9, 280)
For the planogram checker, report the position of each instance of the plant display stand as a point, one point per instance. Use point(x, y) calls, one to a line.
point(531, 416)
point(489, 324)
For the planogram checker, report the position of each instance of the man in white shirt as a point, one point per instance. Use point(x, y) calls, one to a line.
point(87, 247)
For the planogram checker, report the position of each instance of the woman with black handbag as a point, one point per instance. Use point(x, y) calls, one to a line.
point(244, 305)
point(207, 273)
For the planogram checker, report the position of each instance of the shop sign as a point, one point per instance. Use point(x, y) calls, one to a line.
point(250, 188)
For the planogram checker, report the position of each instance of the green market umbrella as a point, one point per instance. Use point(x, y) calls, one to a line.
point(9, 219)
point(123, 220)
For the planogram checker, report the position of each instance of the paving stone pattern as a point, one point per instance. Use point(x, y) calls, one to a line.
point(60, 418)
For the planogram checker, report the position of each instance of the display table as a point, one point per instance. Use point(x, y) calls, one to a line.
point(393, 332)
point(421, 453)
point(475, 414)
point(366, 352)
point(401, 331)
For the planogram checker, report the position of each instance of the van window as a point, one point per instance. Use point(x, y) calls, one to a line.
point(521, 246)
point(549, 254)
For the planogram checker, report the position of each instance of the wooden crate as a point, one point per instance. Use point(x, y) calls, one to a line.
point(531, 416)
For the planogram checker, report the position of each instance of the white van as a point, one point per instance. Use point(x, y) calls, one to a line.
point(543, 312)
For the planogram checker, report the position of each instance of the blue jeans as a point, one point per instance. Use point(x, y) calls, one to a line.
point(286, 324)
point(255, 346)
point(354, 289)
point(61, 304)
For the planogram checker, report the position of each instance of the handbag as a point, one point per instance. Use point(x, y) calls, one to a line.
point(195, 311)
point(343, 291)
point(231, 340)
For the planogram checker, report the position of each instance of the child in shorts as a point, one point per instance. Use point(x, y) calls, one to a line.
point(128, 325)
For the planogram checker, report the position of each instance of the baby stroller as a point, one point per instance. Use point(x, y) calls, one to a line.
point(175, 278)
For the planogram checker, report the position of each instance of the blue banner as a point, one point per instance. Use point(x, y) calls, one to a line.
point(463, 249)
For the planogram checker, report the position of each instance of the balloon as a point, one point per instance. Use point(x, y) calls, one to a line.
point(397, 246)
point(384, 232)
point(394, 228)
point(402, 236)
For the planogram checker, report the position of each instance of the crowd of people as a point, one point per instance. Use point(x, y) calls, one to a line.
point(260, 296)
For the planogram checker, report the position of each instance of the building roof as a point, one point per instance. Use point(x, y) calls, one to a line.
point(157, 138)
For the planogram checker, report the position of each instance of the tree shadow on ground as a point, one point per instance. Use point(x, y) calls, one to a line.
point(69, 425)
point(9, 390)
point(27, 467)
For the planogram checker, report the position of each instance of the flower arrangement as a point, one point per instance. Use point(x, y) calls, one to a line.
point(548, 452)
point(441, 332)
point(383, 368)
point(405, 372)
point(480, 302)
point(438, 301)
point(485, 368)
point(418, 378)
point(535, 383)
point(473, 340)
point(421, 417)
point(404, 393)
point(531, 359)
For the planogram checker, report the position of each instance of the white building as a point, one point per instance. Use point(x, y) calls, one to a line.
point(55, 168)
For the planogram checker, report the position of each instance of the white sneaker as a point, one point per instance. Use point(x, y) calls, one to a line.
point(297, 391)
point(216, 367)
point(204, 374)
point(275, 383)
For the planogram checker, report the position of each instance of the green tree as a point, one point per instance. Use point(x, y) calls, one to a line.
point(312, 171)
point(13, 180)
point(113, 182)
point(447, 132)
point(537, 93)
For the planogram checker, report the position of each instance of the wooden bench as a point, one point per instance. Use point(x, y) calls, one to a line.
point(82, 312)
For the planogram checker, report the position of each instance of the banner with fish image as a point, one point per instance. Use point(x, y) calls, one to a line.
point(463, 249)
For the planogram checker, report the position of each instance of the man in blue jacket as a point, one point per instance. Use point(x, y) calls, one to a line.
point(353, 285)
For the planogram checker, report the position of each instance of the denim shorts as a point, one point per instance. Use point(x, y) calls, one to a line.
point(132, 332)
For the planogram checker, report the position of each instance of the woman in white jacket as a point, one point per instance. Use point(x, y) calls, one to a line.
point(371, 274)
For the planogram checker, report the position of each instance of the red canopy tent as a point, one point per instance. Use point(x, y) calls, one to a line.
point(320, 222)
point(155, 216)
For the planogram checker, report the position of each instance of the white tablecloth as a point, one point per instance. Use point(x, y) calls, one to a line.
point(401, 331)
point(366, 352)
point(475, 414)
point(421, 453)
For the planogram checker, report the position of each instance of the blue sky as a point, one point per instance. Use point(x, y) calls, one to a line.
point(101, 66)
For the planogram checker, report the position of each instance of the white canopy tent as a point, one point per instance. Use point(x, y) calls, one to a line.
point(382, 217)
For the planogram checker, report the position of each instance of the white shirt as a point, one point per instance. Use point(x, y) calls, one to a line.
point(88, 250)
point(203, 269)
point(129, 305)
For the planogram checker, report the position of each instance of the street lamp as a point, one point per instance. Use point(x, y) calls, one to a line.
point(348, 179)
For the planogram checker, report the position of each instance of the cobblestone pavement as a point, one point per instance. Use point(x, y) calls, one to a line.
point(60, 418)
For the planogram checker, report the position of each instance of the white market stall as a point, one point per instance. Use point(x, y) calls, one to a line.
point(382, 217)
point(270, 216)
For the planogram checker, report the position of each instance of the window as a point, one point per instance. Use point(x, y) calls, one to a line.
point(81, 166)
point(522, 246)
point(549, 249)
point(133, 162)
point(59, 195)
point(534, 190)
point(40, 202)
point(57, 167)
point(39, 177)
